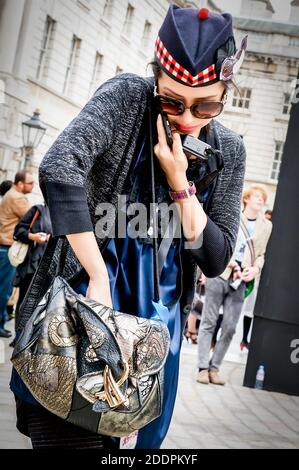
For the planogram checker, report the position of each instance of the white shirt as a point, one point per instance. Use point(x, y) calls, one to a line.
point(242, 239)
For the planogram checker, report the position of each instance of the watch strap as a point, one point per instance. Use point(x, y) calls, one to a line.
point(185, 193)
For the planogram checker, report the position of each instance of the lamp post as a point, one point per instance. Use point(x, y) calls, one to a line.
point(33, 132)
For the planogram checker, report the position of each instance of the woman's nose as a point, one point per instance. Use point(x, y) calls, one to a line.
point(187, 117)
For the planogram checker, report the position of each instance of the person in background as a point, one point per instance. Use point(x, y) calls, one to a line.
point(36, 237)
point(229, 288)
point(248, 307)
point(4, 187)
point(268, 214)
point(247, 310)
point(196, 310)
point(12, 207)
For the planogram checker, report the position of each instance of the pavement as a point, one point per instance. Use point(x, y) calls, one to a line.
point(205, 417)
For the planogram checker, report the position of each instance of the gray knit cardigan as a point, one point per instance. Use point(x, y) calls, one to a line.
point(88, 164)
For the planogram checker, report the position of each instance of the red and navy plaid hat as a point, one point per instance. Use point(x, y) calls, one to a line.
point(192, 45)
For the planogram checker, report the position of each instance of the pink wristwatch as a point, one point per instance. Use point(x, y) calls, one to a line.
point(186, 193)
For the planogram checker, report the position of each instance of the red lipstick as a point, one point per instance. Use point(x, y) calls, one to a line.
point(185, 130)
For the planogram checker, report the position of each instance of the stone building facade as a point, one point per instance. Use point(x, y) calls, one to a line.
point(267, 85)
point(55, 53)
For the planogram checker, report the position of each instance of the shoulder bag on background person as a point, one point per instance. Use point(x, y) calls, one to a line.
point(91, 365)
point(18, 250)
point(250, 284)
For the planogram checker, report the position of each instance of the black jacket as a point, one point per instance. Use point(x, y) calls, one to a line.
point(35, 251)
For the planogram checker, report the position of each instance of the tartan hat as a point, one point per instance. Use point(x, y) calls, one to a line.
point(192, 45)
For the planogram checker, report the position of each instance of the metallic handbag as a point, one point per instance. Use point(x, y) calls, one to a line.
point(91, 365)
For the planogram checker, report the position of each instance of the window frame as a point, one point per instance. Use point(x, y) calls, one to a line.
point(48, 36)
point(276, 161)
point(71, 66)
point(97, 71)
point(129, 20)
point(242, 100)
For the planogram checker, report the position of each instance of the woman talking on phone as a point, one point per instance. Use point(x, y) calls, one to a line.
point(106, 152)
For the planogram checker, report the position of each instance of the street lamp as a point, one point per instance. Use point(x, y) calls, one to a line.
point(33, 132)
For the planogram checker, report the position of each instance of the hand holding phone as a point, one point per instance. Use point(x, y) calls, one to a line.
point(167, 129)
point(192, 147)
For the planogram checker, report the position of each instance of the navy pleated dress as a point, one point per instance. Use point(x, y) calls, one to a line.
point(129, 262)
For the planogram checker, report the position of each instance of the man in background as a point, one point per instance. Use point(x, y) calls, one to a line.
point(13, 206)
point(229, 288)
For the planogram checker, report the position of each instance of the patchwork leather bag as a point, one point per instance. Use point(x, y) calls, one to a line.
point(91, 365)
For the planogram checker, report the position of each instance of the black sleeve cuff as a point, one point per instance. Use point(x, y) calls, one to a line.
point(68, 209)
point(22, 236)
point(214, 254)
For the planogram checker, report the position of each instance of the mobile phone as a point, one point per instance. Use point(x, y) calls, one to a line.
point(167, 129)
point(235, 284)
point(195, 147)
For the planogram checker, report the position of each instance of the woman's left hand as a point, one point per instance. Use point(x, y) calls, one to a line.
point(173, 161)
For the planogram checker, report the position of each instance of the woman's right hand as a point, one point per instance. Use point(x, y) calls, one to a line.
point(87, 251)
point(99, 291)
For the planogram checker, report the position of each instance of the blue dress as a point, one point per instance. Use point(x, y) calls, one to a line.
point(129, 263)
point(132, 291)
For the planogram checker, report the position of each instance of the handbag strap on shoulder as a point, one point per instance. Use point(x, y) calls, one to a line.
point(155, 232)
point(38, 286)
point(34, 219)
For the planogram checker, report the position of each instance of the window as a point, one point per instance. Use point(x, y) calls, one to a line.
point(96, 74)
point(118, 70)
point(242, 100)
point(146, 34)
point(47, 44)
point(85, 4)
point(276, 161)
point(107, 11)
point(72, 65)
point(129, 20)
point(286, 103)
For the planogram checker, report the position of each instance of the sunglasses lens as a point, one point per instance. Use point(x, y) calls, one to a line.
point(208, 109)
point(171, 107)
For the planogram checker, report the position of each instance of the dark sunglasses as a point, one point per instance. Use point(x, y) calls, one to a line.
point(201, 110)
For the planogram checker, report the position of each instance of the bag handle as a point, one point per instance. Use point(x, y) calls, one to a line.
point(155, 232)
point(248, 241)
point(34, 219)
point(39, 284)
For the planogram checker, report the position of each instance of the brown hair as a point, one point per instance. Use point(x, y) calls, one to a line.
point(248, 192)
point(21, 176)
point(5, 186)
